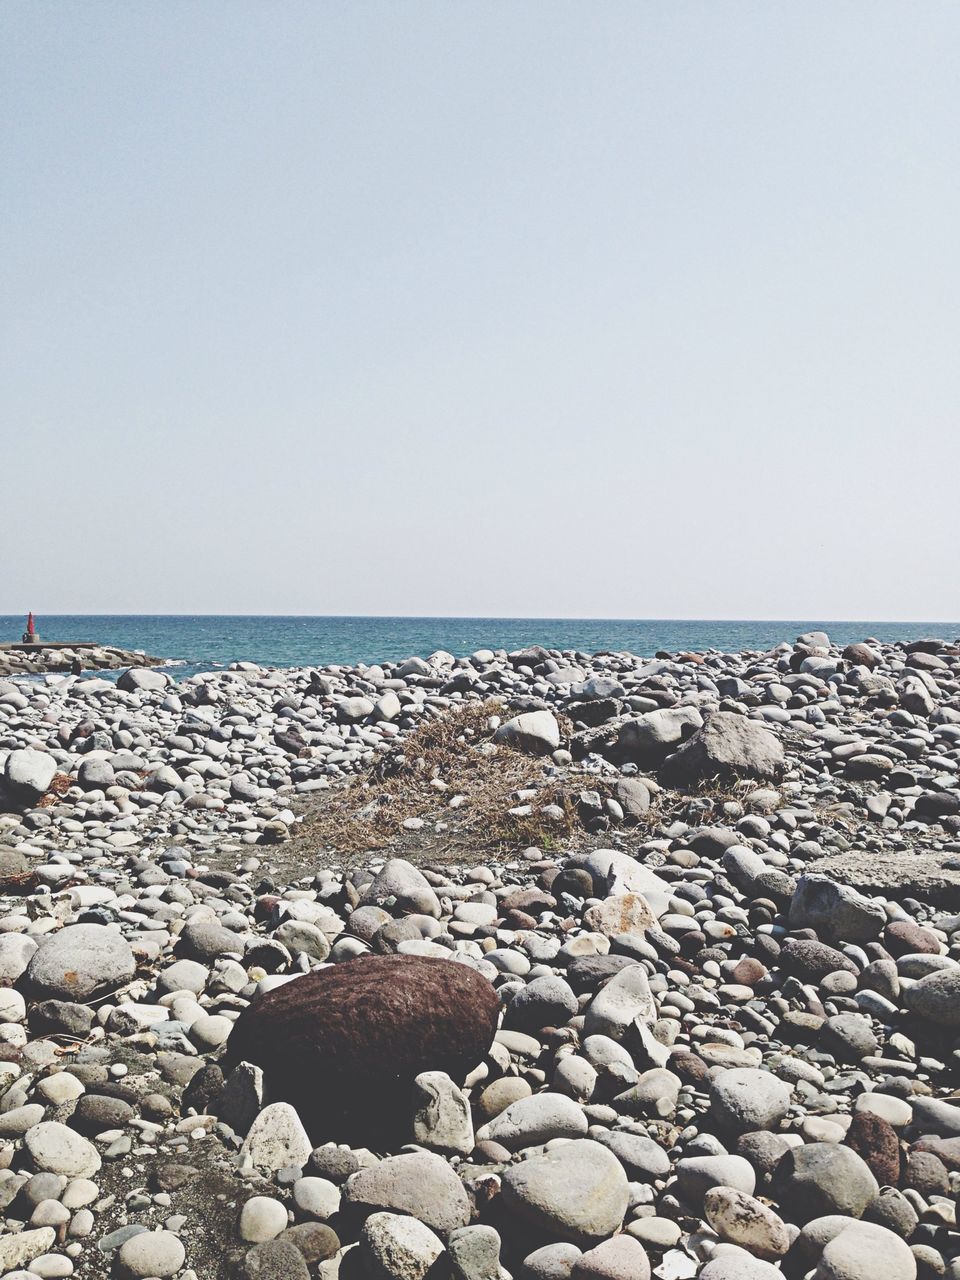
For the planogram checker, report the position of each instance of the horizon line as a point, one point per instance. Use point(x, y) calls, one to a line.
point(479, 617)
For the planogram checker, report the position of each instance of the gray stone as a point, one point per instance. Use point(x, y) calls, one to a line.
point(154, 1254)
point(837, 912)
point(597, 688)
point(755, 877)
point(112, 1241)
point(654, 1093)
point(533, 1121)
point(849, 1037)
point(551, 1262)
point(96, 1112)
point(210, 1031)
point(615, 1007)
point(143, 680)
point(387, 707)
point(352, 710)
point(276, 1139)
point(241, 1097)
point(421, 1184)
point(575, 1077)
point(20, 1249)
point(865, 1251)
point(643, 1159)
point(274, 1260)
point(649, 739)
point(936, 998)
point(578, 1189)
point(442, 1119)
point(823, 1178)
point(696, 1175)
point(205, 941)
point(96, 774)
point(79, 963)
point(745, 1221)
point(183, 975)
point(764, 1150)
point(28, 772)
point(15, 1121)
point(743, 1099)
point(730, 1262)
point(915, 697)
point(535, 732)
point(620, 913)
point(402, 881)
point(16, 950)
point(317, 1198)
point(728, 746)
point(892, 1209)
point(544, 1002)
point(262, 1218)
point(634, 798)
point(620, 1258)
point(398, 1247)
point(615, 872)
point(936, 1115)
point(54, 1148)
point(300, 937)
point(474, 1253)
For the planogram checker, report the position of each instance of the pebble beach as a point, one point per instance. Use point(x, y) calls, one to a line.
point(705, 1022)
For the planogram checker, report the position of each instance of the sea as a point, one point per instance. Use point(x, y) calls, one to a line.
point(192, 644)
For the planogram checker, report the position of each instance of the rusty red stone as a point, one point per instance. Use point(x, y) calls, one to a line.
point(343, 1044)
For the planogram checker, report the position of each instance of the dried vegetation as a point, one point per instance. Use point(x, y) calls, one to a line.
point(451, 777)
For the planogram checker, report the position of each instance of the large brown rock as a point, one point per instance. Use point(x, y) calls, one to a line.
point(344, 1044)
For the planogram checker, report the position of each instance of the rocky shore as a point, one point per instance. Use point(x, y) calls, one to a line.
point(292, 988)
point(37, 659)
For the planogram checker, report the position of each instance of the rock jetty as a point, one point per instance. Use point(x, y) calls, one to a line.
point(707, 1026)
point(37, 659)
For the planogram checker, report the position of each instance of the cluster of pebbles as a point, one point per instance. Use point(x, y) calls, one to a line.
point(711, 1054)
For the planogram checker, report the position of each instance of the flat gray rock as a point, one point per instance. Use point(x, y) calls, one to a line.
point(420, 1184)
point(79, 963)
point(530, 1122)
point(728, 746)
point(55, 1148)
point(579, 1190)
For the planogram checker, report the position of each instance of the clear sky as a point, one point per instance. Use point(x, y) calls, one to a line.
point(597, 308)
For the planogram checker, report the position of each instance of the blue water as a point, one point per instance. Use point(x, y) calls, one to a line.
point(205, 643)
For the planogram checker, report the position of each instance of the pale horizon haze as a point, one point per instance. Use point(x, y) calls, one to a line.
point(615, 310)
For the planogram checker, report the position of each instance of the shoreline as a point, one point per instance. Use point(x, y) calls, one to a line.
point(212, 642)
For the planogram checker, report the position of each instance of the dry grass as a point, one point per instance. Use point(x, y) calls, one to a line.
point(60, 784)
point(451, 757)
